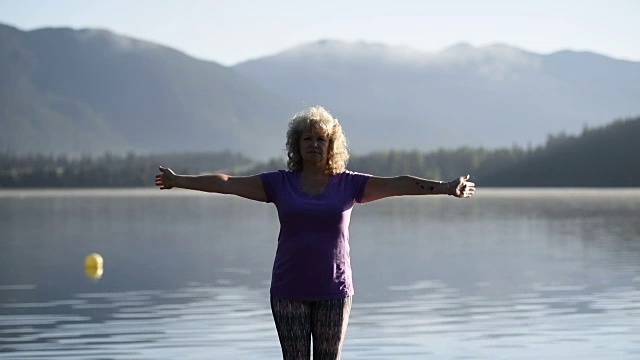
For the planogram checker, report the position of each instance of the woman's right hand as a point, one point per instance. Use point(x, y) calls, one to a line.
point(166, 179)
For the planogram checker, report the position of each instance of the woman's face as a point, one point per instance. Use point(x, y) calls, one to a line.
point(314, 146)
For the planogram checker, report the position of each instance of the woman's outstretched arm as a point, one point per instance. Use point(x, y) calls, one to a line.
point(382, 187)
point(249, 187)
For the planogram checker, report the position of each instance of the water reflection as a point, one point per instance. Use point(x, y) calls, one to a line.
point(529, 274)
point(428, 318)
point(188, 323)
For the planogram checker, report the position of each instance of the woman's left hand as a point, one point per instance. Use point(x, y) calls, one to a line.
point(462, 187)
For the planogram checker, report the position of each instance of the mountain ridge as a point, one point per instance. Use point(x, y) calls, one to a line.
point(503, 94)
point(91, 90)
point(144, 99)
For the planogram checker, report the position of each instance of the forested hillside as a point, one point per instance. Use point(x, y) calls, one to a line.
point(74, 92)
point(598, 157)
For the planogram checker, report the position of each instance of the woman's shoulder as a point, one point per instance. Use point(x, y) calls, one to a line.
point(277, 174)
point(352, 176)
point(349, 173)
point(280, 172)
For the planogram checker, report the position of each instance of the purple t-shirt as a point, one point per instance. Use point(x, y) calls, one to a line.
point(312, 260)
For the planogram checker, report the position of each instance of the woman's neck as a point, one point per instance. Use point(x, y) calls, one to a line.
point(314, 180)
point(319, 169)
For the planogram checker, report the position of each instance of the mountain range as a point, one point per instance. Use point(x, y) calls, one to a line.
point(91, 91)
point(65, 91)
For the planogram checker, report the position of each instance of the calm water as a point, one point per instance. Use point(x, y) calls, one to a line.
point(510, 274)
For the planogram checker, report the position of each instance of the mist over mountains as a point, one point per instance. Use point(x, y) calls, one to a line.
point(66, 91)
point(488, 96)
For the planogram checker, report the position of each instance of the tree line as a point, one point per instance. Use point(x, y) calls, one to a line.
point(598, 157)
point(108, 170)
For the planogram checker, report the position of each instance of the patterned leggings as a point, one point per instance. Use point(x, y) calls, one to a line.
point(297, 321)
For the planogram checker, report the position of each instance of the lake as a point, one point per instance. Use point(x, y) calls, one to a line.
point(508, 274)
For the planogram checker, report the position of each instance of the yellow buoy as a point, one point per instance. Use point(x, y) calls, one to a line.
point(93, 266)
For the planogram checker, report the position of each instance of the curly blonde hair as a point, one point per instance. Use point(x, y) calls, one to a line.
point(317, 118)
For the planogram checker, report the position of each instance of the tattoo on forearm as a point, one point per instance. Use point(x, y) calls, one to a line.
point(430, 188)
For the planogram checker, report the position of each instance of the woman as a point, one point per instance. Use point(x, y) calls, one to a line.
point(311, 286)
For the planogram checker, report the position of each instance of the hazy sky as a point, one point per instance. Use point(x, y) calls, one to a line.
point(230, 31)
